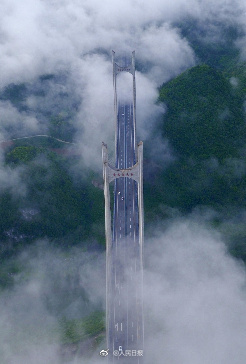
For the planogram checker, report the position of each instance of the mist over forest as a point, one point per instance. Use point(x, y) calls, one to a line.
point(56, 108)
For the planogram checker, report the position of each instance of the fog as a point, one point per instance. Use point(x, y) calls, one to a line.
point(194, 297)
point(194, 300)
point(76, 38)
point(52, 284)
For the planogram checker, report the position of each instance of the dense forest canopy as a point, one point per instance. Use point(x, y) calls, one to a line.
point(192, 121)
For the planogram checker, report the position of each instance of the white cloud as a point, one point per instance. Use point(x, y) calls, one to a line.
point(40, 37)
point(52, 284)
point(43, 37)
point(11, 118)
point(194, 298)
point(195, 292)
point(10, 179)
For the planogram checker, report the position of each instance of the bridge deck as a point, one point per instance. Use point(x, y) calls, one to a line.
point(125, 321)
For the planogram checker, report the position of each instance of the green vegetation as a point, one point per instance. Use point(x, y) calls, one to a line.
point(192, 183)
point(206, 130)
point(55, 206)
point(8, 271)
point(21, 155)
point(73, 331)
point(40, 142)
point(61, 126)
point(204, 118)
point(205, 126)
point(16, 94)
point(217, 50)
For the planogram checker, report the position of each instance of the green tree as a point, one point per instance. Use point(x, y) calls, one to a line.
point(204, 117)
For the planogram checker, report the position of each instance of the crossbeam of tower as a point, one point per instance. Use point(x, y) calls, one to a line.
point(124, 237)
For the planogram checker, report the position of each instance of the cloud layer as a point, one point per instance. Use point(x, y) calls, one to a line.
point(40, 37)
point(195, 300)
point(195, 293)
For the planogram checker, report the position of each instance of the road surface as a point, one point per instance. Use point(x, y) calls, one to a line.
point(126, 318)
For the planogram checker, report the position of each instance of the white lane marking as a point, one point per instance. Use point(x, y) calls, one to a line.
point(132, 323)
point(117, 326)
point(121, 326)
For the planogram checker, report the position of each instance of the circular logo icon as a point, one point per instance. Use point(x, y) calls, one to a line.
point(116, 353)
point(104, 352)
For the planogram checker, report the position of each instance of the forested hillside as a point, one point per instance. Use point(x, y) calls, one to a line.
point(205, 125)
point(51, 198)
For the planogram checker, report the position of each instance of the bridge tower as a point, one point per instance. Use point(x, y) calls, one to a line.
point(125, 231)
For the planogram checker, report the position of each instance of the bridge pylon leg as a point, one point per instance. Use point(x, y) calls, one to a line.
point(108, 233)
